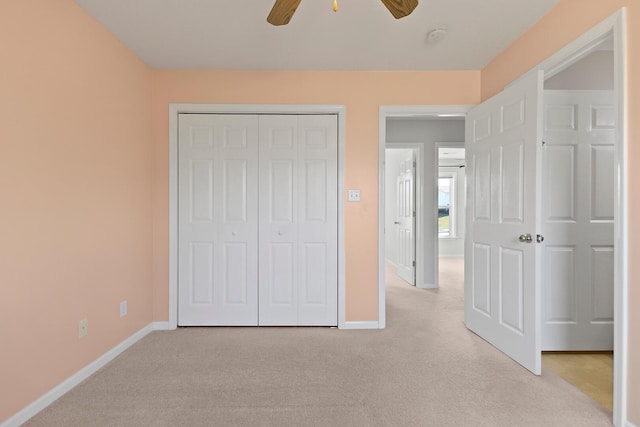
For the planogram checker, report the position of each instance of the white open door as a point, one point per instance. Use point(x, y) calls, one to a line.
point(502, 277)
point(406, 267)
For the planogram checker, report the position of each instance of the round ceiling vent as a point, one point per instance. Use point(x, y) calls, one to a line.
point(436, 35)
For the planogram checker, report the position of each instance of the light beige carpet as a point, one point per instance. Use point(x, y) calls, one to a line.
point(424, 369)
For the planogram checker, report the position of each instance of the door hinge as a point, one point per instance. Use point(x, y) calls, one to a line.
point(544, 143)
point(413, 263)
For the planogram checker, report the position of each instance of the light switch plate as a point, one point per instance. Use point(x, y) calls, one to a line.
point(354, 195)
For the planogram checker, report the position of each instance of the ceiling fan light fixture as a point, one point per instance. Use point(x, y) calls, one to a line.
point(283, 10)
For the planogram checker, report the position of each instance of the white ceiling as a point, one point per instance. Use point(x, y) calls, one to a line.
point(362, 35)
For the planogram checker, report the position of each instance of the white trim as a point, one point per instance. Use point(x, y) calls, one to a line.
point(391, 263)
point(372, 324)
point(174, 110)
point(630, 424)
point(382, 298)
point(427, 286)
point(65, 386)
point(621, 254)
point(417, 148)
point(160, 326)
point(384, 112)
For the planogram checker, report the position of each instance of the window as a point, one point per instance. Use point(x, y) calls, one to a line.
point(446, 207)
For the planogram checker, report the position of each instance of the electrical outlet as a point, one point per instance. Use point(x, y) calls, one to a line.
point(83, 328)
point(123, 308)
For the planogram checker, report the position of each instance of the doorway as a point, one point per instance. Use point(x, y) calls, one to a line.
point(578, 176)
point(552, 65)
point(451, 211)
point(420, 135)
point(337, 111)
point(401, 212)
point(527, 92)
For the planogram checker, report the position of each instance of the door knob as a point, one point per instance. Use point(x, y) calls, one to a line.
point(525, 238)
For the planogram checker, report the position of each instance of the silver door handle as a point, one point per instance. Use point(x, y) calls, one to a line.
point(525, 238)
point(396, 222)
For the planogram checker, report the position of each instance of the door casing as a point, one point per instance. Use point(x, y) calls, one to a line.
point(174, 110)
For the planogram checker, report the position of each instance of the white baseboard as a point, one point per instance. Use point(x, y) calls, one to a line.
point(630, 424)
point(160, 326)
point(427, 286)
point(370, 324)
point(58, 391)
point(451, 256)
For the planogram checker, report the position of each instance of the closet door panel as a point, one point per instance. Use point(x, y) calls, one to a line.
point(278, 220)
point(318, 221)
point(217, 220)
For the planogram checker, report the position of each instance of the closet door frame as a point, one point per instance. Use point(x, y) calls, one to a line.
point(176, 109)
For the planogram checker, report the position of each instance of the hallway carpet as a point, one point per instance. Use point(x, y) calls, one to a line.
point(424, 369)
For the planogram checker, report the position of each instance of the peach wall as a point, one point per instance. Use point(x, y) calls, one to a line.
point(564, 23)
point(361, 92)
point(75, 195)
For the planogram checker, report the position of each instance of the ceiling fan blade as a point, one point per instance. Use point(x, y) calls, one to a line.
point(400, 8)
point(282, 12)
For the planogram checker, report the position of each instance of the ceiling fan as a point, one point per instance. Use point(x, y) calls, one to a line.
point(283, 10)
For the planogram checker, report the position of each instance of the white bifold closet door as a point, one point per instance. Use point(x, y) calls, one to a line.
point(217, 220)
point(257, 220)
point(298, 220)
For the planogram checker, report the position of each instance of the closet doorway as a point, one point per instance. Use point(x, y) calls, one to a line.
point(257, 232)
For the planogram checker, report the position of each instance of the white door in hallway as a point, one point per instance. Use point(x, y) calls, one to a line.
point(578, 182)
point(502, 278)
point(406, 222)
point(298, 220)
point(218, 220)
